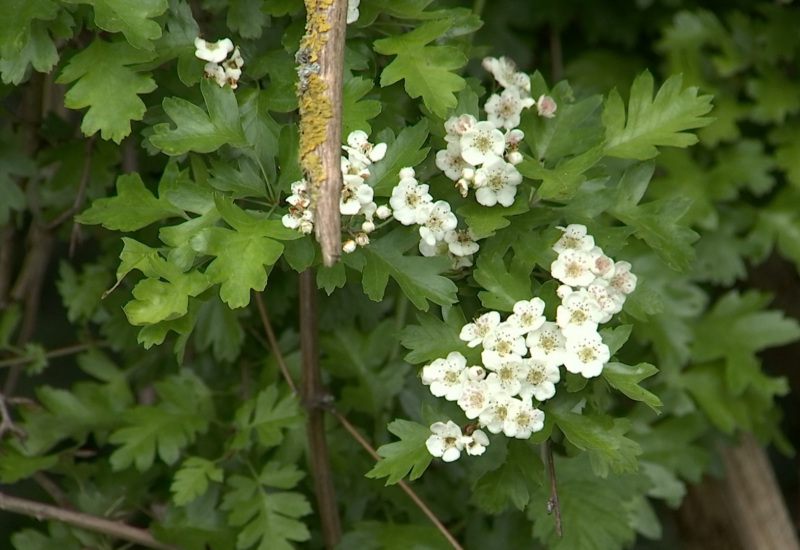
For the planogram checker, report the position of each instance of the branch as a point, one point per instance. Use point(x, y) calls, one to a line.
point(314, 398)
point(320, 65)
point(273, 342)
point(6, 424)
point(58, 352)
point(552, 502)
point(108, 527)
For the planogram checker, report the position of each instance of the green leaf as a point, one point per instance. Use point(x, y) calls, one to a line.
point(401, 457)
point(786, 138)
point(375, 535)
point(433, 338)
point(268, 519)
point(157, 300)
point(425, 69)
point(132, 208)
point(653, 122)
point(595, 512)
point(39, 51)
point(15, 466)
point(104, 82)
point(561, 182)
point(356, 111)
point(267, 416)
point(192, 479)
point(657, 222)
point(417, 276)
point(514, 480)
point(406, 150)
point(82, 293)
point(503, 288)
point(59, 537)
point(735, 329)
point(134, 18)
point(602, 437)
point(184, 412)
point(246, 17)
point(626, 379)
point(196, 130)
point(486, 220)
point(12, 163)
point(218, 328)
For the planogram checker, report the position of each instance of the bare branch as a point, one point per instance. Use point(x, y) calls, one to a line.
point(273, 342)
point(108, 527)
point(552, 502)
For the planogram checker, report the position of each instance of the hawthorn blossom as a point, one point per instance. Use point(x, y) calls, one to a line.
point(506, 376)
point(354, 196)
point(474, 333)
point(574, 238)
point(578, 312)
point(475, 444)
point(494, 415)
point(446, 377)
point(547, 343)
point(352, 11)
point(435, 220)
point(474, 398)
point(213, 52)
point(573, 267)
point(457, 126)
point(504, 110)
point(540, 380)
point(497, 182)
point(522, 420)
point(481, 142)
point(446, 441)
point(528, 315)
point(546, 106)
point(623, 280)
point(461, 242)
point(450, 162)
point(586, 354)
point(502, 343)
point(504, 71)
point(407, 199)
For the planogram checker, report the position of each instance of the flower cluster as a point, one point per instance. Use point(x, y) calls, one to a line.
point(219, 67)
point(479, 155)
point(355, 198)
point(412, 204)
point(521, 356)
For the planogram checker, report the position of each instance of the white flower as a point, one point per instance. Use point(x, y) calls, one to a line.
point(546, 106)
point(514, 157)
point(494, 415)
point(407, 198)
point(383, 212)
point(355, 195)
point(505, 73)
point(522, 420)
point(352, 11)
point(547, 343)
point(528, 315)
point(602, 265)
point(406, 173)
point(461, 242)
point(609, 300)
point(300, 219)
point(446, 377)
point(456, 126)
point(480, 142)
point(430, 250)
point(360, 150)
point(216, 73)
point(474, 398)
point(450, 162)
point(623, 280)
point(368, 226)
point(476, 443)
point(361, 238)
point(503, 110)
point(540, 380)
point(349, 246)
point(497, 181)
point(214, 52)
point(586, 354)
point(435, 219)
point(579, 312)
point(474, 333)
point(446, 441)
point(574, 238)
point(476, 373)
point(573, 267)
point(501, 344)
point(506, 377)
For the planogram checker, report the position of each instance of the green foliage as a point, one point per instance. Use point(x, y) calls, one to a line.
point(407, 457)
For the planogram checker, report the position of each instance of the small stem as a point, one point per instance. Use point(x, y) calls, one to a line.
point(6, 424)
point(81, 193)
point(314, 398)
point(552, 502)
point(58, 352)
point(403, 485)
point(111, 528)
point(273, 342)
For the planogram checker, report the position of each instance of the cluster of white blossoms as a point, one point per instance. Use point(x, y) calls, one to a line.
point(482, 155)
point(522, 355)
point(412, 204)
point(219, 67)
point(355, 198)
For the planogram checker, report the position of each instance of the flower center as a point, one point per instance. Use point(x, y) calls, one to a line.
point(587, 355)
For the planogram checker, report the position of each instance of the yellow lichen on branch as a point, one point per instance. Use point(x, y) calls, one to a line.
point(320, 60)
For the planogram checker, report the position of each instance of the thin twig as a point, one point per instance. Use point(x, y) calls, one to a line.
point(82, 185)
point(57, 352)
point(403, 485)
point(111, 528)
point(552, 502)
point(6, 424)
point(314, 398)
point(50, 487)
point(320, 65)
point(356, 435)
point(273, 342)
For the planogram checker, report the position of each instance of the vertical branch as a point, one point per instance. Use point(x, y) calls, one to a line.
point(320, 64)
point(314, 399)
point(552, 502)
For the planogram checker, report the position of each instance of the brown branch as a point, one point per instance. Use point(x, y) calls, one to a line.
point(6, 424)
point(7, 237)
point(273, 342)
point(403, 485)
point(314, 398)
point(552, 502)
point(320, 65)
point(111, 528)
point(58, 352)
